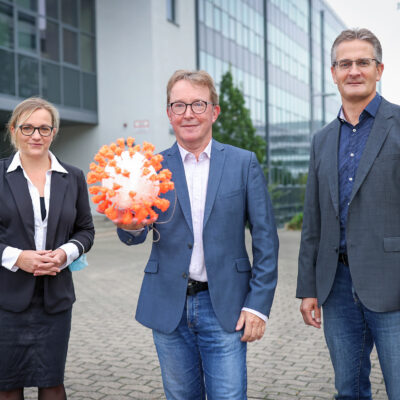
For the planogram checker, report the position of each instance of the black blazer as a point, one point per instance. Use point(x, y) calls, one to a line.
point(69, 217)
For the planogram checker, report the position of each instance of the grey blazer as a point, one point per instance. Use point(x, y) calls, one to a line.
point(373, 224)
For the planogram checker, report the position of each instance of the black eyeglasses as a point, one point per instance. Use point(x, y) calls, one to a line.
point(360, 62)
point(198, 107)
point(29, 130)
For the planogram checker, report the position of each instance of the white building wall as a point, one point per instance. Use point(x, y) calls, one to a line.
point(137, 52)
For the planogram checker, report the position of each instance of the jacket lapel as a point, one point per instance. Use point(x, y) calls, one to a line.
point(58, 189)
point(179, 178)
point(377, 136)
point(216, 167)
point(333, 138)
point(19, 189)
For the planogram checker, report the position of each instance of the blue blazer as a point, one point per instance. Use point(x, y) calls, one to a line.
point(236, 195)
point(69, 217)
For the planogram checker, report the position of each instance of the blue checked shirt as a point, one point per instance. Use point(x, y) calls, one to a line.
point(351, 145)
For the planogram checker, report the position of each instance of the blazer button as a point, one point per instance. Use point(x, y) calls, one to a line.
point(336, 249)
point(184, 275)
point(190, 245)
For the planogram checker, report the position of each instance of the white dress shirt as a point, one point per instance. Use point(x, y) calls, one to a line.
point(196, 172)
point(11, 254)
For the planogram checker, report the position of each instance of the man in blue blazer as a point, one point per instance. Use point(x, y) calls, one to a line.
point(201, 295)
point(349, 259)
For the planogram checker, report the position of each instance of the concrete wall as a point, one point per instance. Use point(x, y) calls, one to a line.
point(137, 51)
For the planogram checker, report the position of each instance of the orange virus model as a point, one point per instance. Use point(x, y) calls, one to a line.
point(130, 183)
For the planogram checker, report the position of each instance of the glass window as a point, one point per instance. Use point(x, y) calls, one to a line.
point(69, 12)
point(87, 53)
point(51, 8)
point(71, 87)
point(245, 37)
point(28, 74)
point(89, 91)
point(225, 24)
point(238, 9)
point(232, 30)
point(51, 82)
point(26, 32)
point(245, 14)
point(202, 60)
point(70, 41)
point(6, 26)
point(232, 7)
point(209, 14)
point(217, 19)
point(239, 33)
point(87, 16)
point(49, 44)
point(29, 4)
point(171, 11)
point(7, 78)
point(201, 10)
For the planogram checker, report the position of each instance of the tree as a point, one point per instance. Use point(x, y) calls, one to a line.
point(234, 125)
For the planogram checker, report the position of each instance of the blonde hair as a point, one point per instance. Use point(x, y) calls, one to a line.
point(25, 109)
point(201, 78)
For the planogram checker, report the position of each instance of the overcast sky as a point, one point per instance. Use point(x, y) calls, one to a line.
point(383, 19)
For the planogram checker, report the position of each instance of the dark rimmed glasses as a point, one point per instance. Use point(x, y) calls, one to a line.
point(198, 107)
point(29, 130)
point(360, 63)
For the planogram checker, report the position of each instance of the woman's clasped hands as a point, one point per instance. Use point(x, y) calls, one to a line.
point(42, 262)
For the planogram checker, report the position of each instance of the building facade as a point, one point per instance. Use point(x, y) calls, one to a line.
point(279, 54)
point(105, 65)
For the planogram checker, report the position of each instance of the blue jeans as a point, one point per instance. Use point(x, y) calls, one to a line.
point(351, 330)
point(199, 357)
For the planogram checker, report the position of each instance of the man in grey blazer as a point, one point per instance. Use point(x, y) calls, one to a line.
point(349, 260)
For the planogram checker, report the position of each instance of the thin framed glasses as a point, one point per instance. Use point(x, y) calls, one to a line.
point(198, 107)
point(360, 63)
point(29, 130)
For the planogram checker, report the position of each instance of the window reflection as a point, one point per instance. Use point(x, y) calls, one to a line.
point(28, 76)
point(29, 4)
point(7, 77)
point(26, 32)
point(71, 84)
point(51, 82)
point(44, 30)
point(49, 39)
point(6, 26)
point(87, 53)
point(87, 16)
point(69, 12)
point(70, 45)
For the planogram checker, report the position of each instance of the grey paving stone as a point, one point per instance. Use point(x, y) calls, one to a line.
point(112, 357)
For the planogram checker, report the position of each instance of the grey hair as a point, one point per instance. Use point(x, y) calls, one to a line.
point(357, 34)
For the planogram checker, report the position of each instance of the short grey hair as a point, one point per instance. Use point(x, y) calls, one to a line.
point(201, 78)
point(357, 34)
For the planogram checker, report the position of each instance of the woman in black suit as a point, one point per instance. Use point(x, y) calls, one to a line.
point(45, 224)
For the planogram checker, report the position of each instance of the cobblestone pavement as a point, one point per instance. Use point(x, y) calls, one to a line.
point(112, 357)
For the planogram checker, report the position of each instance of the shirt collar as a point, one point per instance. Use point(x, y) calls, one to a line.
point(184, 153)
point(55, 165)
point(371, 108)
